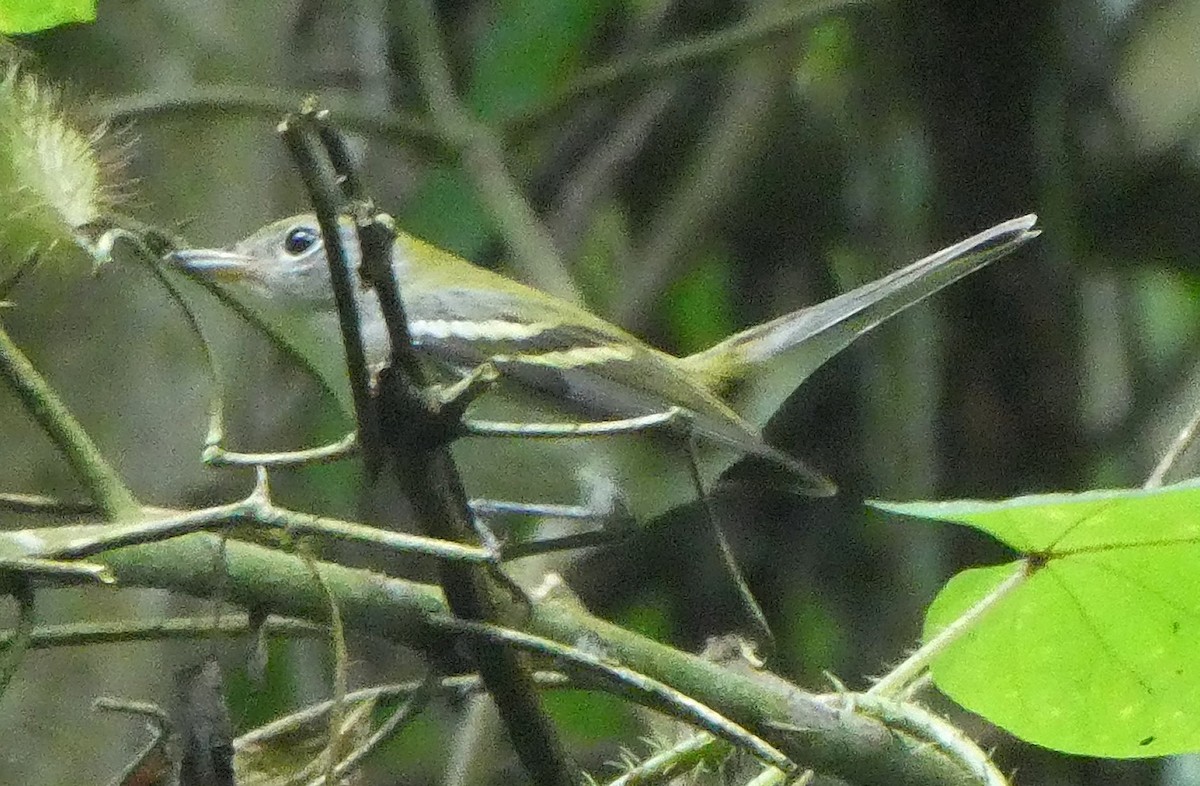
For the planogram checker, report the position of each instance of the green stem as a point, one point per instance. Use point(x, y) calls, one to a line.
point(690, 755)
point(807, 730)
point(455, 686)
point(897, 681)
point(101, 479)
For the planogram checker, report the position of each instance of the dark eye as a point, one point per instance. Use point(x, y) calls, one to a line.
point(300, 239)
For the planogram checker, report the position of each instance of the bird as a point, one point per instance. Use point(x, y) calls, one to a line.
point(573, 362)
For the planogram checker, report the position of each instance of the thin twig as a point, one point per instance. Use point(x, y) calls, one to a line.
point(414, 433)
point(154, 763)
point(36, 503)
point(627, 682)
point(274, 336)
point(337, 638)
point(56, 571)
point(738, 39)
point(457, 685)
point(17, 643)
point(321, 181)
point(400, 542)
point(271, 104)
point(764, 638)
point(87, 634)
point(1183, 440)
point(157, 524)
point(216, 456)
point(925, 725)
point(692, 753)
point(396, 721)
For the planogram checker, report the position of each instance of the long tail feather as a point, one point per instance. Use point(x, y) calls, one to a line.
point(813, 335)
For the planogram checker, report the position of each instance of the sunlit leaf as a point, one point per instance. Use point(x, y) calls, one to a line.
point(30, 16)
point(1098, 651)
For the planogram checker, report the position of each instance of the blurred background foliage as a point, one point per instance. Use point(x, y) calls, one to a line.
point(716, 176)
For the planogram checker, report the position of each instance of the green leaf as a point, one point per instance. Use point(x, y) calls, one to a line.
point(445, 212)
point(699, 308)
point(1097, 652)
point(30, 16)
point(1168, 310)
point(529, 48)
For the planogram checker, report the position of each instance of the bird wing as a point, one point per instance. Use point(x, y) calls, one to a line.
point(572, 357)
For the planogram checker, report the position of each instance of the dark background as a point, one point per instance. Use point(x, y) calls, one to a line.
point(687, 200)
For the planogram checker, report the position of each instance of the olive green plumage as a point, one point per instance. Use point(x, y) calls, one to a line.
point(462, 315)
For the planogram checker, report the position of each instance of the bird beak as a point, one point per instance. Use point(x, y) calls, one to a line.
point(213, 263)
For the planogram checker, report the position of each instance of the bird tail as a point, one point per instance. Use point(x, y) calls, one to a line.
point(813, 335)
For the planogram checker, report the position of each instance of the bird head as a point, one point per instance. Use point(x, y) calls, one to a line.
point(284, 260)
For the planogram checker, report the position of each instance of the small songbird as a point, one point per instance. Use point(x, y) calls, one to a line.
point(572, 361)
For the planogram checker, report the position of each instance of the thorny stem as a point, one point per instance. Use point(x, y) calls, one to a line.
point(895, 682)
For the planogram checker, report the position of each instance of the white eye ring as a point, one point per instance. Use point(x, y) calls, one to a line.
point(300, 239)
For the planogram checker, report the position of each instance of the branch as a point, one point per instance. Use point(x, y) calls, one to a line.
point(74, 542)
point(857, 749)
point(455, 686)
point(321, 181)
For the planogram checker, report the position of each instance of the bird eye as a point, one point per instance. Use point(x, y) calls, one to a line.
point(300, 239)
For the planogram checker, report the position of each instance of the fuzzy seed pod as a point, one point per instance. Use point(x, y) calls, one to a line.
point(52, 177)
